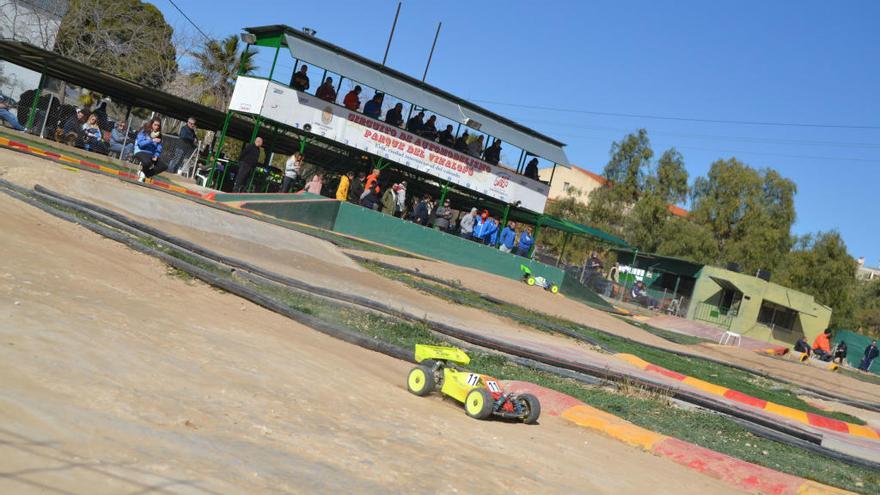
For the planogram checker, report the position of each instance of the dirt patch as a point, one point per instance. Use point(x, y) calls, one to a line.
point(120, 378)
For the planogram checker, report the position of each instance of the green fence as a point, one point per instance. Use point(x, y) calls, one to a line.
point(855, 348)
point(722, 317)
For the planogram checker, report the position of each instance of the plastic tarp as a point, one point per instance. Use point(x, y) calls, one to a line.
point(343, 64)
point(579, 229)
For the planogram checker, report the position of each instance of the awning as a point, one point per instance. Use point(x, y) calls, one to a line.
point(579, 229)
point(726, 284)
point(783, 299)
point(369, 73)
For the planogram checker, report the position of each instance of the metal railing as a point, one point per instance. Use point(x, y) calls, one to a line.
point(716, 315)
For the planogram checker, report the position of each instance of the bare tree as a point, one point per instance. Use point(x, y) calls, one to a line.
point(32, 22)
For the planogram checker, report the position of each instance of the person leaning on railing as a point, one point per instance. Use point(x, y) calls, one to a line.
point(395, 115)
point(352, 100)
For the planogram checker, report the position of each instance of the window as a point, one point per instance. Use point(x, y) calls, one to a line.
point(777, 317)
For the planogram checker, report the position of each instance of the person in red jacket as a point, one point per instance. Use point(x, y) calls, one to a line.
point(352, 101)
point(822, 345)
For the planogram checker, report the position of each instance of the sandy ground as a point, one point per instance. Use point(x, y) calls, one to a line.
point(557, 305)
point(118, 378)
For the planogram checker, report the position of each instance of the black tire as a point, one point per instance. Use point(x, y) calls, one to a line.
point(488, 403)
point(420, 381)
point(532, 407)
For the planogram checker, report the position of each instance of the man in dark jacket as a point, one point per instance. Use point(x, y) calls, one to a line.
point(446, 138)
point(300, 81)
point(326, 91)
point(839, 352)
point(247, 161)
point(395, 115)
point(356, 189)
point(493, 153)
point(532, 169)
point(871, 353)
point(415, 124)
point(442, 216)
point(373, 108)
point(187, 136)
point(420, 215)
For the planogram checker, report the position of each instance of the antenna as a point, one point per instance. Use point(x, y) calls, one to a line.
point(431, 55)
point(390, 36)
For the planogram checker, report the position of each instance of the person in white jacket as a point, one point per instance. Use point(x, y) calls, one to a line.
point(401, 199)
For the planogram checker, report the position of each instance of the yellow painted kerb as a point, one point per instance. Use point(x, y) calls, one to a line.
point(613, 426)
point(813, 488)
point(633, 360)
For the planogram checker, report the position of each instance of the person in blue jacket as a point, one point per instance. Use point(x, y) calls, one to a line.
point(508, 237)
point(479, 226)
point(490, 231)
point(525, 243)
point(149, 148)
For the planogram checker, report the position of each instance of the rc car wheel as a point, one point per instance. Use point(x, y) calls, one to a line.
point(479, 403)
point(554, 289)
point(530, 281)
point(420, 381)
point(532, 408)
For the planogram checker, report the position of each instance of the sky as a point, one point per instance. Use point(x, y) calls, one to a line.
point(598, 70)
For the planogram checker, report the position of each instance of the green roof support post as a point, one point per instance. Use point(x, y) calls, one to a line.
point(33, 111)
point(535, 238)
point(443, 191)
point(632, 275)
point(675, 291)
point(562, 251)
point(552, 174)
point(302, 146)
point(219, 147)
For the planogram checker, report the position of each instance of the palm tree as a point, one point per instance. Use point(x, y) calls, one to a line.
point(220, 62)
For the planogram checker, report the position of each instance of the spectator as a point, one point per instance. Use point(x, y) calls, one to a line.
point(447, 138)
point(326, 91)
point(871, 353)
point(373, 108)
point(356, 189)
point(401, 199)
point(292, 171)
point(493, 153)
point(315, 185)
point(247, 162)
point(803, 346)
point(300, 81)
point(594, 270)
point(508, 238)
point(490, 231)
point(415, 124)
point(71, 130)
point(119, 142)
point(149, 150)
point(466, 225)
point(389, 200)
point(640, 295)
point(370, 199)
point(395, 115)
point(475, 146)
point(5, 104)
point(421, 211)
point(100, 112)
point(92, 135)
point(352, 100)
point(429, 128)
point(461, 143)
point(526, 241)
point(822, 345)
point(442, 216)
point(344, 185)
point(532, 169)
point(372, 184)
point(188, 138)
point(839, 352)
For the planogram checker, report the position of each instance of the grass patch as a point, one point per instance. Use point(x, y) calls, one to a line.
point(719, 374)
point(865, 377)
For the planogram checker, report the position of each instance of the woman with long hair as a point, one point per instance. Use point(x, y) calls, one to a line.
point(148, 149)
point(92, 136)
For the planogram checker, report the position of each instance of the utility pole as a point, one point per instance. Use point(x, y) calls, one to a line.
point(431, 55)
point(390, 36)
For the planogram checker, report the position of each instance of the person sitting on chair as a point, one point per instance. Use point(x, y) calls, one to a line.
point(839, 352)
point(822, 345)
point(803, 346)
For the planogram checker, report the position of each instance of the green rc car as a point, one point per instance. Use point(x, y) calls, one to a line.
point(542, 282)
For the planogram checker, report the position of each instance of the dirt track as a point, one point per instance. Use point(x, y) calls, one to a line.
point(119, 378)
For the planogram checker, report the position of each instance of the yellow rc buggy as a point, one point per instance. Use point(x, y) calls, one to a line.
point(481, 395)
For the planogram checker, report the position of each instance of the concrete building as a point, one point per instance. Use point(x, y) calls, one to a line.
point(739, 302)
point(867, 273)
point(571, 181)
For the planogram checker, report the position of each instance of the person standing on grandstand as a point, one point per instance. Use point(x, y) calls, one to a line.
point(300, 81)
point(373, 108)
point(492, 154)
point(315, 184)
point(149, 150)
point(247, 162)
point(475, 146)
point(490, 231)
point(401, 199)
point(532, 169)
point(292, 171)
point(508, 238)
point(394, 116)
point(526, 241)
point(356, 189)
point(352, 100)
point(389, 200)
point(421, 211)
point(372, 184)
point(461, 142)
point(446, 137)
point(415, 124)
point(429, 128)
point(344, 185)
point(466, 225)
point(442, 216)
point(871, 353)
point(326, 91)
